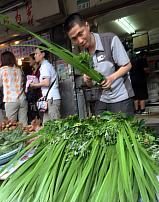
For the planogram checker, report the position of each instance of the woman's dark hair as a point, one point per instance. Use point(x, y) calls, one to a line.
point(32, 55)
point(44, 51)
point(8, 59)
point(71, 20)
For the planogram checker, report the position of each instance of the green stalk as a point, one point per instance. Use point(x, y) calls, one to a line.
point(60, 195)
point(71, 187)
point(103, 171)
point(123, 164)
point(114, 183)
point(135, 143)
point(102, 194)
point(151, 175)
point(86, 170)
point(135, 189)
point(121, 191)
point(59, 51)
point(27, 177)
point(142, 183)
point(96, 170)
point(55, 155)
point(19, 174)
point(56, 186)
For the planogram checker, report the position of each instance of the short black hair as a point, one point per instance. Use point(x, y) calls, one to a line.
point(8, 59)
point(71, 20)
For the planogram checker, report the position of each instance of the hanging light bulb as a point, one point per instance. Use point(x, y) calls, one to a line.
point(19, 62)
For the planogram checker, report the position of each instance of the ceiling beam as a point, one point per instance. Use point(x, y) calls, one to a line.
point(107, 7)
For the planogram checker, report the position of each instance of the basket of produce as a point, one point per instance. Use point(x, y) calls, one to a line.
point(4, 158)
point(10, 134)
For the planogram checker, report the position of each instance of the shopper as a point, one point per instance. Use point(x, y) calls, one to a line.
point(34, 65)
point(110, 59)
point(13, 90)
point(139, 82)
point(33, 94)
point(2, 110)
point(47, 76)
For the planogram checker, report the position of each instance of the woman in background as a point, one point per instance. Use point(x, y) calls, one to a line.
point(34, 65)
point(13, 90)
point(2, 111)
point(33, 94)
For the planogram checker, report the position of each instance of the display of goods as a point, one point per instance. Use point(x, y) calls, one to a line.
point(10, 131)
point(13, 136)
point(98, 159)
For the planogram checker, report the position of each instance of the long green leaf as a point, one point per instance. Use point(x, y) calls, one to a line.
point(58, 51)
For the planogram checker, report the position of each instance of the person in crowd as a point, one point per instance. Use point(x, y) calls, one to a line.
point(34, 65)
point(33, 94)
point(2, 111)
point(47, 75)
point(11, 79)
point(109, 58)
point(139, 82)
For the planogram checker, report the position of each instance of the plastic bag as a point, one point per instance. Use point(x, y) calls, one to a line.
point(42, 104)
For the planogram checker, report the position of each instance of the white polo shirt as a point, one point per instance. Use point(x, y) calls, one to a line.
point(47, 70)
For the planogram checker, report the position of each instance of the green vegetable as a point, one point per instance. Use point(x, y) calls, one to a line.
point(96, 159)
point(8, 140)
point(57, 50)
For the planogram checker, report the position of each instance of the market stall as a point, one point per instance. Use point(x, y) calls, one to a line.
point(78, 160)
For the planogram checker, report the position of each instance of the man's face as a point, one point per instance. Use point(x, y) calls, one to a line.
point(39, 56)
point(80, 35)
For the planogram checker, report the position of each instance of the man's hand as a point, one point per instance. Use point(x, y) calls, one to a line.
point(106, 84)
point(32, 85)
point(87, 80)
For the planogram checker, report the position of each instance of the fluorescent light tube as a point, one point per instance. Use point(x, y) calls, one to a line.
point(11, 7)
point(125, 25)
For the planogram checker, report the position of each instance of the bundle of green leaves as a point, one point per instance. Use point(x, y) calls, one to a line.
point(97, 159)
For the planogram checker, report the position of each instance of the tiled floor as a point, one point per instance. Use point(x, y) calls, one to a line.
point(152, 120)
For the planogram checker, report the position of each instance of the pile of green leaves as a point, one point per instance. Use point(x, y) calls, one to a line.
point(97, 159)
point(8, 139)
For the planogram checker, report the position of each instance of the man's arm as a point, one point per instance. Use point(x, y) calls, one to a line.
point(44, 83)
point(119, 73)
point(120, 58)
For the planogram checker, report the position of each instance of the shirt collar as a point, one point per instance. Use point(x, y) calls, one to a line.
point(44, 61)
point(99, 46)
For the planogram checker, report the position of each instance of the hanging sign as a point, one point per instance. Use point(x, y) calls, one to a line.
point(29, 13)
point(83, 4)
point(18, 17)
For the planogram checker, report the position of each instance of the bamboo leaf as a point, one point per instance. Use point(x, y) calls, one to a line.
point(57, 50)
